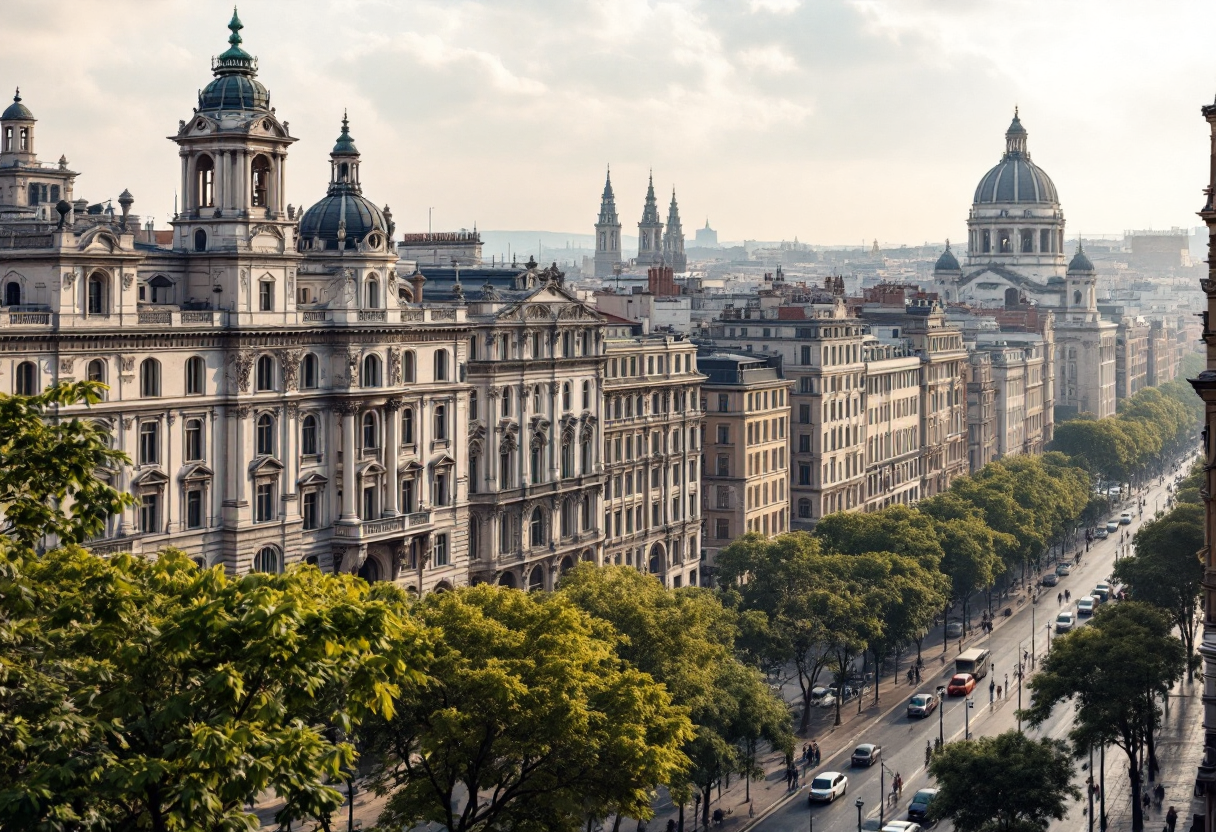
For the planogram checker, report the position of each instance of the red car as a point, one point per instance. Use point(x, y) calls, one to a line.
point(961, 685)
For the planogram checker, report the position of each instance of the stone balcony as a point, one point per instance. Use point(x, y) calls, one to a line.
point(372, 531)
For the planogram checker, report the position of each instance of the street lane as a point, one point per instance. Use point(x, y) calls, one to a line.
point(903, 740)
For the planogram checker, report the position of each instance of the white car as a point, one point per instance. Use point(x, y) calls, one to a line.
point(1085, 606)
point(1125, 518)
point(827, 786)
point(1065, 622)
point(901, 826)
point(822, 697)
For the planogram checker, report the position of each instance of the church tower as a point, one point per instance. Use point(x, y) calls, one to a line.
point(234, 209)
point(1081, 295)
point(673, 239)
point(650, 230)
point(607, 233)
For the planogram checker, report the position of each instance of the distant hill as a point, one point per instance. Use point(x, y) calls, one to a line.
point(546, 246)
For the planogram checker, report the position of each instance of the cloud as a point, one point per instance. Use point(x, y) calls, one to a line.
point(830, 121)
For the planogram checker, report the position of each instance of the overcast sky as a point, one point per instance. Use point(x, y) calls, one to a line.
point(830, 120)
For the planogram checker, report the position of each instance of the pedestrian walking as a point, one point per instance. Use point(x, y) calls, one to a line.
point(1067, 595)
point(999, 694)
point(1145, 801)
point(1171, 818)
point(671, 825)
point(815, 746)
point(928, 752)
point(917, 668)
point(1059, 598)
point(991, 691)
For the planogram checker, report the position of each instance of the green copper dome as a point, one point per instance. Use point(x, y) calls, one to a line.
point(17, 110)
point(235, 86)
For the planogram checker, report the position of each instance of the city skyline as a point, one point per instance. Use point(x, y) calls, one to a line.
point(832, 124)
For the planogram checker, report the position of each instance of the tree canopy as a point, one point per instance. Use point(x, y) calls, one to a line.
point(1003, 783)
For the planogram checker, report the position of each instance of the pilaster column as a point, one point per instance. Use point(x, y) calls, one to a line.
point(422, 435)
point(238, 474)
point(348, 411)
point(554, 471)
point(392, 450)
point(291, 453)
point(491, 460)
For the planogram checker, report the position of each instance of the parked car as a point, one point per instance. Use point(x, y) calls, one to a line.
point(827, 786)
point(1065, 622)
point(1051, 579)
point(1101, 533)
point(822, 697)
point(954, 628)
point(866, 754)
point(922, 704)
point(1097, 596)
point(1085, 606)
point(871, 825)
point(1103, 590)
point(901, 826)
point(1125, 519)
point(1112, 526)
point(961, 685)
point(1063, 569)
point(919, 807)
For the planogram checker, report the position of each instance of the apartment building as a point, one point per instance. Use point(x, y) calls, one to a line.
point(981, 411)
point(892, 427)
point(746, 447)
point(652, 453)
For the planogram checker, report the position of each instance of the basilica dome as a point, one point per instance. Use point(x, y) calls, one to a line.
point(1016, 179)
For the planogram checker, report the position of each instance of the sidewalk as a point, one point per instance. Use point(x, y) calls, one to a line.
point(1179, 752)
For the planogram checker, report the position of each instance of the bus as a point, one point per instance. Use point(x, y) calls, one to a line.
point(975, 661)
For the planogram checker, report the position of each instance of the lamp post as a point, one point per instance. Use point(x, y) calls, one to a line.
point(1048, 626)
point(970, 703)
point(1019, 675)
point(941, 715)
point(859, 804)
point(1033, 604)
point(882, 794)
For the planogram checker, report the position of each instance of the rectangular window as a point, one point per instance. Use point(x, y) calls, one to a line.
point(440, 557)
point(264, 503)
point(723, 403)
point(369, 503)
point(194, 509)
point(309, 510)
point(723, 497)
point(149, 443)
point(407, 496)
point(723, 465)
point(804, 414)
point(149, 513)
point(266, 296)
point(804, 443)
point(723, 434)
point(804, 474)
point(655, 520)
point(722, 529)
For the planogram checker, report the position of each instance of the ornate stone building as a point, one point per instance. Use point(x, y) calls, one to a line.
point(673, 238)
point(607, 233)
point(650, 230)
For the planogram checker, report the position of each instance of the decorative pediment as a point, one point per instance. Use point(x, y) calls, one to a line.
point(312, 479)
point(265, 466)
point(443, 461)
point(196, 472)
point(99, 240)
point(150, 478)
point(370, 469)
point(411, 468)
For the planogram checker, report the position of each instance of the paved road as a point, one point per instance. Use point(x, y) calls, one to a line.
point(903, 740)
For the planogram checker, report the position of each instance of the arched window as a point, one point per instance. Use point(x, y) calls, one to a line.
point(12, 293)
point(407, 426)
point(407, 366)
point(149, 378)
point(308, 435)
point(536, 579)
point(260, 182)
point(265, 374)
point(586, 395)
point(200, 240)
point(537, 533)
point(162, 289)
point(566, 396)
point(536, 463)
point(370, 570)
point(265, 435)
point(267, 560)
point(310, 372)
point(96, 294)
point(472, 347)
point(370, 434)
point(195, 369)
point(26, 383)
point(441, 422)
point(585, 462)
point(373, 294)
point(441, 365)
point(97, 370)
point(194, 440)
point(567, 458)
point(505, 468)
point(204, 184)
point(371, 371)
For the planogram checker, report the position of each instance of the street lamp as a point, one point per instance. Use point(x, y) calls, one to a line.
point(941, 715)
point(967, 717)
point(859, 804)
point(1048, 627)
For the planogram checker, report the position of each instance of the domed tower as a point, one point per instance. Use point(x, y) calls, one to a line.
point(345, 233)
point(1016, 220)
point(947, 273)
point(234, 155)
point(1081, 295)
point(28, 189)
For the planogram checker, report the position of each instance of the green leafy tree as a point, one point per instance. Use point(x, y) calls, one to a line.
point(529, 721)
point(972, 560)
point(897, 529)
point(50, 465)
point(1098, 444)
point(142, 693)
point(1166, 570)
point(907, 596)
point(780, 581)
point(1112, 671)
point(1005, 783)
